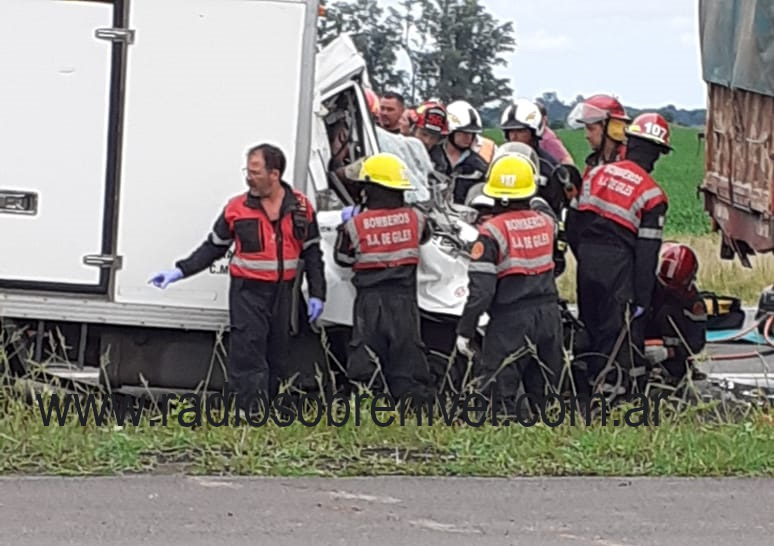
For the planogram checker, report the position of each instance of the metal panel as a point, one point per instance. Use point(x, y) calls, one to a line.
point(54, 118)
point(207, 79)
point(84, 309)
point(306, 99)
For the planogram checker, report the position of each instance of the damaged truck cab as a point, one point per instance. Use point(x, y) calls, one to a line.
point(125, 124)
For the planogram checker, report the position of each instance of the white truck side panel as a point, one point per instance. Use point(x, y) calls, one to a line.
point(54, 106)
point(207, 79)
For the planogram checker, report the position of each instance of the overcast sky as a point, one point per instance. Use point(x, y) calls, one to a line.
point(646, 52)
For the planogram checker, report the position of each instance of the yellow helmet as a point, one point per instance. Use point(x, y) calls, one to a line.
point(510, 176)
point(387, 170)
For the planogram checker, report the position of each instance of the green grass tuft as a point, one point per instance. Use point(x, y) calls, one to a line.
point(688, 442)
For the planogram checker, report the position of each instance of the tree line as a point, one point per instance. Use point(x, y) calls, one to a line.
point(453, 46)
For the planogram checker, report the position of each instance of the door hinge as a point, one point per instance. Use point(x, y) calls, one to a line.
point(103, 261)
point(125, 35)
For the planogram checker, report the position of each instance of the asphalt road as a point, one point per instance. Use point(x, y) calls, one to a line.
point(173, 510)
point(741, 367)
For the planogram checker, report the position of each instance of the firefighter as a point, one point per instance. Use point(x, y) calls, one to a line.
point(431, 125)
point(381, 245)
point(272, 227)
point(455, 157)
point(521, 121)
point(605, 120)
point(614, 229)
point(677, 321)
point(511, 278)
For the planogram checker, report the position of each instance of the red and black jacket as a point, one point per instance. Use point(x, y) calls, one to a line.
point(264, 250)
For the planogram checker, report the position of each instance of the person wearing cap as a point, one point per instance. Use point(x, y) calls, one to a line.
point(511, 277)
point(614, 229)
point(380, 241)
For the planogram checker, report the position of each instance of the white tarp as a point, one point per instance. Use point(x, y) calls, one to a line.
point(414, 154)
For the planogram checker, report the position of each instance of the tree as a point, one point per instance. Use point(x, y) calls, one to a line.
point(374, 35)
point(461, 44)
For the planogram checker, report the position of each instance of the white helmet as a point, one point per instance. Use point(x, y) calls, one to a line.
point(476, 199)
point(463, 117)
point(524, 150)
point(522, 114)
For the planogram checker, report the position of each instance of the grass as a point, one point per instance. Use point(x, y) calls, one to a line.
point(690, 442)
point(687, 440)
point(679, 173)
point(724, 277)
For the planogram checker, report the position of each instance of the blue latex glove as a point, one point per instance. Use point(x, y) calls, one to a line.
point(314, 309)
point(348, 212)
point(165, 278)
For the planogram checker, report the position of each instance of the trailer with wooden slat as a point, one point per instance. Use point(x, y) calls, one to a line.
point(737, 47)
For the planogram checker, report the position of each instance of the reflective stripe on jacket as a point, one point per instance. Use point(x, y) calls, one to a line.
point(620, 192)
point(384, 238)
point(261, 252)
point(526, 242)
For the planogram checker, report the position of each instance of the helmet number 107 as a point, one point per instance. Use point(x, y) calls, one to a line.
point(655, 129)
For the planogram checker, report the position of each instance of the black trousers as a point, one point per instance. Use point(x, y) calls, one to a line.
point(513, 331)
point(386, 323)
point(258, 341)
point(605, 284)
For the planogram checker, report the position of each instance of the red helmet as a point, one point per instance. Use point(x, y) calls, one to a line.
point(431, 116)
point(596, 109)
point(678, 266)
point(652, 127)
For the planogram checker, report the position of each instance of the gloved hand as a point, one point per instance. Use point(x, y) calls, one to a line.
point(165, 278)
point(656, 353)
point(348, 212)
point(314, 309)
point(463, 346)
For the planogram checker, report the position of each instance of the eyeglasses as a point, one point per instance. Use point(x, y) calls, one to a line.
point(250, 173)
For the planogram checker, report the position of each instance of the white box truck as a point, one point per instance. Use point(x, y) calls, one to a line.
point(123, 129)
